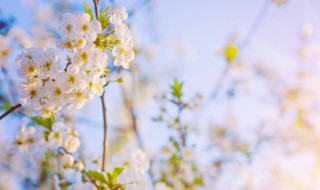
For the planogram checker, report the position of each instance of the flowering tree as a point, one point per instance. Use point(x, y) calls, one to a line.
point(51, 84)
point(256, 128)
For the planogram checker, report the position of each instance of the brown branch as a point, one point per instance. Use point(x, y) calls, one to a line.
point(104, 110)
point(12, 109)
point(105, 134)
point(96, 7)
point(68, 63)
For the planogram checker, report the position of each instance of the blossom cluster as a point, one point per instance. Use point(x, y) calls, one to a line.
point(52, 158)
point(41, 156)
point(49, 85)
point(124, 50)
point(137, 165)
point(31, 138)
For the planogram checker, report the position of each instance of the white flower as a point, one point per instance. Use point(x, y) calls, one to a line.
point(27, 139)
point(77, 98)
point(55, 93)
point(48, 110)
point(124, 54)
point(37, 62)
point(28, 69)
point(32, 54)
point(74, 78)
point(140, 161)
point(67, 27)
point(31, 93)
point(118, 15)
point(57, 135)
point(88, 29)
point(122, 31)
point(96, 85)
point(55, 139)
point(63, 136)
point(67, 44)
point(86, 55)
point(79, 166)
point(49, 64)
point(67, 160)
point(71, 144)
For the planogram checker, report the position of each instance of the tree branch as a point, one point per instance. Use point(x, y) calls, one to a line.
point(96, 7)
point(105, 134)
point(12, 109)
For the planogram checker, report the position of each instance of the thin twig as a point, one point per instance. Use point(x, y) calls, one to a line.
point(12, 109)
point(105, 134)
point(96, 7)
point(256, 24)
point(135, 129)
point(104, 110)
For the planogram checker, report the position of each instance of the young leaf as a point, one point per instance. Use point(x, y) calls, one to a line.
point(176, 89)
point(88, 10)
point(111, 180)
point(117, 171)
point(96, 176)
point(45, 122)
point(102, 18)
point(113, 176)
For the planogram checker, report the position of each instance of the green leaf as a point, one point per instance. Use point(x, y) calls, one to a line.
point(113, 176)
point(112, 181)
point(117, 171)
point(231, 53)
point(103, 20)
point(45, 122)
point(176, 89)
point(88, 10)
point(95, 175)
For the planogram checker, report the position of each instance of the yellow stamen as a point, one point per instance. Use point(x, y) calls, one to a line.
point(69, 28)
point(72, 79)
point(85, 27)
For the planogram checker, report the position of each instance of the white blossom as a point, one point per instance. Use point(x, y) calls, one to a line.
point(118, 15)
point(88, 29)
point(71, 144)
point(123, 53)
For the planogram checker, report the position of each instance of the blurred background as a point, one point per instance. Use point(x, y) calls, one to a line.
point(250, 70)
